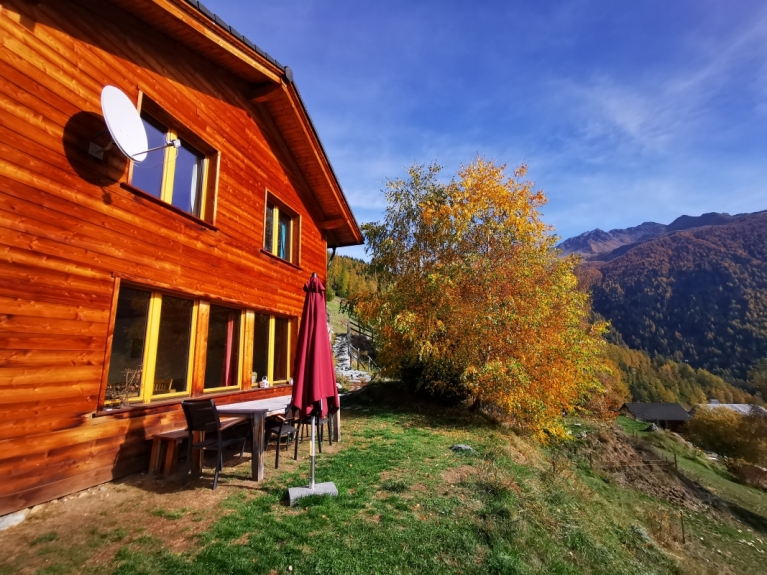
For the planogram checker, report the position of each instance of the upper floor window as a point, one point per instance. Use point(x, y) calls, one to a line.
point(182, 176)
point(281, 232)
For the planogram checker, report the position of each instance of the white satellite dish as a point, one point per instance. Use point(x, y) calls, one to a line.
point(124, 123)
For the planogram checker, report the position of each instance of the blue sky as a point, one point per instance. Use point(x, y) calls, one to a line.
point(625, 112)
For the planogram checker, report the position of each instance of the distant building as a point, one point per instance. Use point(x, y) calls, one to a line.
point(666, 415)
point(742, 408)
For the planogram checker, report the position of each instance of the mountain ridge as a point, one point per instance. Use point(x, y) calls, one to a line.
point(696, 295)
point(599, 245)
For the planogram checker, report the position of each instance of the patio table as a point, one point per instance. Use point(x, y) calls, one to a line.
point(257, 411)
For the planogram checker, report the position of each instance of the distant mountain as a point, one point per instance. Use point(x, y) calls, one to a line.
point(598, 244)
point(698, 295)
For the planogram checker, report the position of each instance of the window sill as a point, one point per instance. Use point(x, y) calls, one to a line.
point(145, 196)
point(279, 259)
point(141, 408)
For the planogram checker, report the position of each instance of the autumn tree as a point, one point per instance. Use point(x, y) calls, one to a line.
point(730, 434)
point(473, 299)
point(757, 377)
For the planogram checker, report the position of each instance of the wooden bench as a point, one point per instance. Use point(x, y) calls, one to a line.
point(165, 447)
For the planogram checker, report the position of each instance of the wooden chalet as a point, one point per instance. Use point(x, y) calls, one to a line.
point(666, 415)
point(125, 288)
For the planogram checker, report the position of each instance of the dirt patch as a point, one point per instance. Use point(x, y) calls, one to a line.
point(456, 475)
point(87, 528)
point(636, 464)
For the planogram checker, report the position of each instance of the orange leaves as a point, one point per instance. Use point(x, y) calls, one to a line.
point(473, 299)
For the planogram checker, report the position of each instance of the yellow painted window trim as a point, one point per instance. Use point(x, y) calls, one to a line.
point(270, 356)
point(275, 240)
point(189, 365)
point(146, 393)
point(170, 154)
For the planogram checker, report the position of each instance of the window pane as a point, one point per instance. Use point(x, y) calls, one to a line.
point(261, 347)
point(223, 354)
point(173, 344)
point(187, 180)
point(283, 237)
point(127, 358)
point(147, 175)
point(269, 228)
point(280, 349)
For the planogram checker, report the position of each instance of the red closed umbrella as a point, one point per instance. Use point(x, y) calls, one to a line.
point(315, 393)
point(314, 377)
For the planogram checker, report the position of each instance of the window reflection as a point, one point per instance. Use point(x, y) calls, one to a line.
point(283, 237)
point(173, 345)
point(128, 341)
point(261, 347)
point(269, 229)
point(187, 181)
point(280, 349)
point(223, 352)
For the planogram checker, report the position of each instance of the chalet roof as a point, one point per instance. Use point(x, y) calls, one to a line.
point(272, 91)
point(742, 408)
point(658, 411)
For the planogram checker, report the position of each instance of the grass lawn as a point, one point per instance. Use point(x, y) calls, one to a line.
point(337, 319)
point(406, 504)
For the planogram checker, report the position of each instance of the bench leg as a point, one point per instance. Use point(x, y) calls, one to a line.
point(156, 458)
point(171, 457)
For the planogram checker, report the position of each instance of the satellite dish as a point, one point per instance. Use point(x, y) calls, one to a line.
point(124, 123)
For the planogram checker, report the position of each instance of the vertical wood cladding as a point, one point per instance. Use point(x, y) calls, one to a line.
point(68, 229)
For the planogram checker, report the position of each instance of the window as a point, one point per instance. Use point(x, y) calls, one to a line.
point(151, 346)
point(184, 176)
point(155, 337)
point(222, 363)
point(281, 232)
point(271, 348)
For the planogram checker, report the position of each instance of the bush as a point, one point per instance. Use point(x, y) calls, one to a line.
point(730, 434)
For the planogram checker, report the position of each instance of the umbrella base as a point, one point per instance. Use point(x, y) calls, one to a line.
point(327, 488)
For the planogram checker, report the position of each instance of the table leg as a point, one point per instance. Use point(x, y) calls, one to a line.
point(257, 420)
point(337, 426)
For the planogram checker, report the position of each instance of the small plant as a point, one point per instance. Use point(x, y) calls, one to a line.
point(394, 485)
point(47, 538)
point(172, 515)
point(121, 392)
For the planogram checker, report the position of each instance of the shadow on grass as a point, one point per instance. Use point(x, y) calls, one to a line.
point(394, 398)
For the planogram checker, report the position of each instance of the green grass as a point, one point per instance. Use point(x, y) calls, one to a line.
point(337, 319)
point(408, 504)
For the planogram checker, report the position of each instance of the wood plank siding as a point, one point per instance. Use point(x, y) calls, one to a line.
point(73, 229)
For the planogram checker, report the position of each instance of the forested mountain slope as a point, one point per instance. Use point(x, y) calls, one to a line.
point(698, 296)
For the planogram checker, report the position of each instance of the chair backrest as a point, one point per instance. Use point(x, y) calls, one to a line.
point(201, 415)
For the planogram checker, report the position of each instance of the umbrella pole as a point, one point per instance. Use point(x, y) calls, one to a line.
point(326, 488)
point(311, 480)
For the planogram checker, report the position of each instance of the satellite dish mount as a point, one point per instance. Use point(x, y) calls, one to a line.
point(125, 127)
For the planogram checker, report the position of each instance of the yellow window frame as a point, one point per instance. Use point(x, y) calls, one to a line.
point(240, 358)
point(272, 340)
point(169, 172)
point(146, 395)
point(275, 215)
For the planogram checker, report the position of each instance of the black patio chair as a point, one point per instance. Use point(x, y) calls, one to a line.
point(202, 416)
point(321, 421)
point(284, 427)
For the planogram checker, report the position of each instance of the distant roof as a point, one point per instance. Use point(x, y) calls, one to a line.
point(743, 408)
point(658, 411)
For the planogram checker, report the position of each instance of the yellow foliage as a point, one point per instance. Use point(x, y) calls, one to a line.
point(473, 295)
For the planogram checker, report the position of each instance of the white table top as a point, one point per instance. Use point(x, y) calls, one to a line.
point(271, 405)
